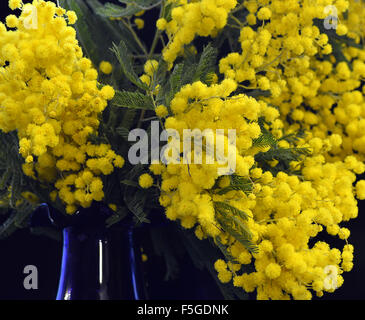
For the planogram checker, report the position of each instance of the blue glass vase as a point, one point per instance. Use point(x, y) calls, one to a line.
point(98, 263)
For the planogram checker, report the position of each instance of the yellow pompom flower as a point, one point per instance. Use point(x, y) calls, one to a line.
point(15, 4)
point(145, 181)
point(12, 21)
point(161, 24)
point(107, 92)
point(273, 271)
point(156, 168)
point(72, 17)
point(264, 14)
point(139, 23)
point(161, 111)
point(29, 159)
point(341, 30)
point(106, 67)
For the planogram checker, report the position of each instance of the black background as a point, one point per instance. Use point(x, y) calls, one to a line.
point(24, 248)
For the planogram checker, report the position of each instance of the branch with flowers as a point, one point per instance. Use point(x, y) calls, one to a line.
point(76, 79)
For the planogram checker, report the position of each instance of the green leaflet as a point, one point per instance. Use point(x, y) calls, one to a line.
point(243, 235)
point(266, 138)
point(123, 132)
point(116, 217)
point(226, 209)
point(130, 183)
point(135, 201)
point(143, 4)
point(198, 70)
point(125, 61)
point(160, 79)
point(113, 10)
point(132, 100)
point(229, 218)
point(174, 83)
point(130, 8)
point(237, 183)
point(188, 72)
point(282, 154)
point(293, 137)
point(241, 239)
point(206, 63)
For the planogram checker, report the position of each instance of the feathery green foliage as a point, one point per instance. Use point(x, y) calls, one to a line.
point(237, 183)
point(124, 57)
point(133, 100)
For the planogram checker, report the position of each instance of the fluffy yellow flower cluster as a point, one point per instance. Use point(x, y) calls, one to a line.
point(49, 94)
point(285, 51)
point(184, 186)
point(193, 18)
point(285, 212)
point(291, 56)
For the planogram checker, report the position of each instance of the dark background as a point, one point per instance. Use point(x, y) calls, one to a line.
point(24, 248)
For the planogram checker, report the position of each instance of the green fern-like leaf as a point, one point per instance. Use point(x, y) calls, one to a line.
point(238, 183)
point(132, 100)
point(206, 63)
point(124, 57)
point(227, 210)
point(116, 217)
point(264, 140)
point(242, 235)
point(282, 154)
point(174, 83)
point(116, 11)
